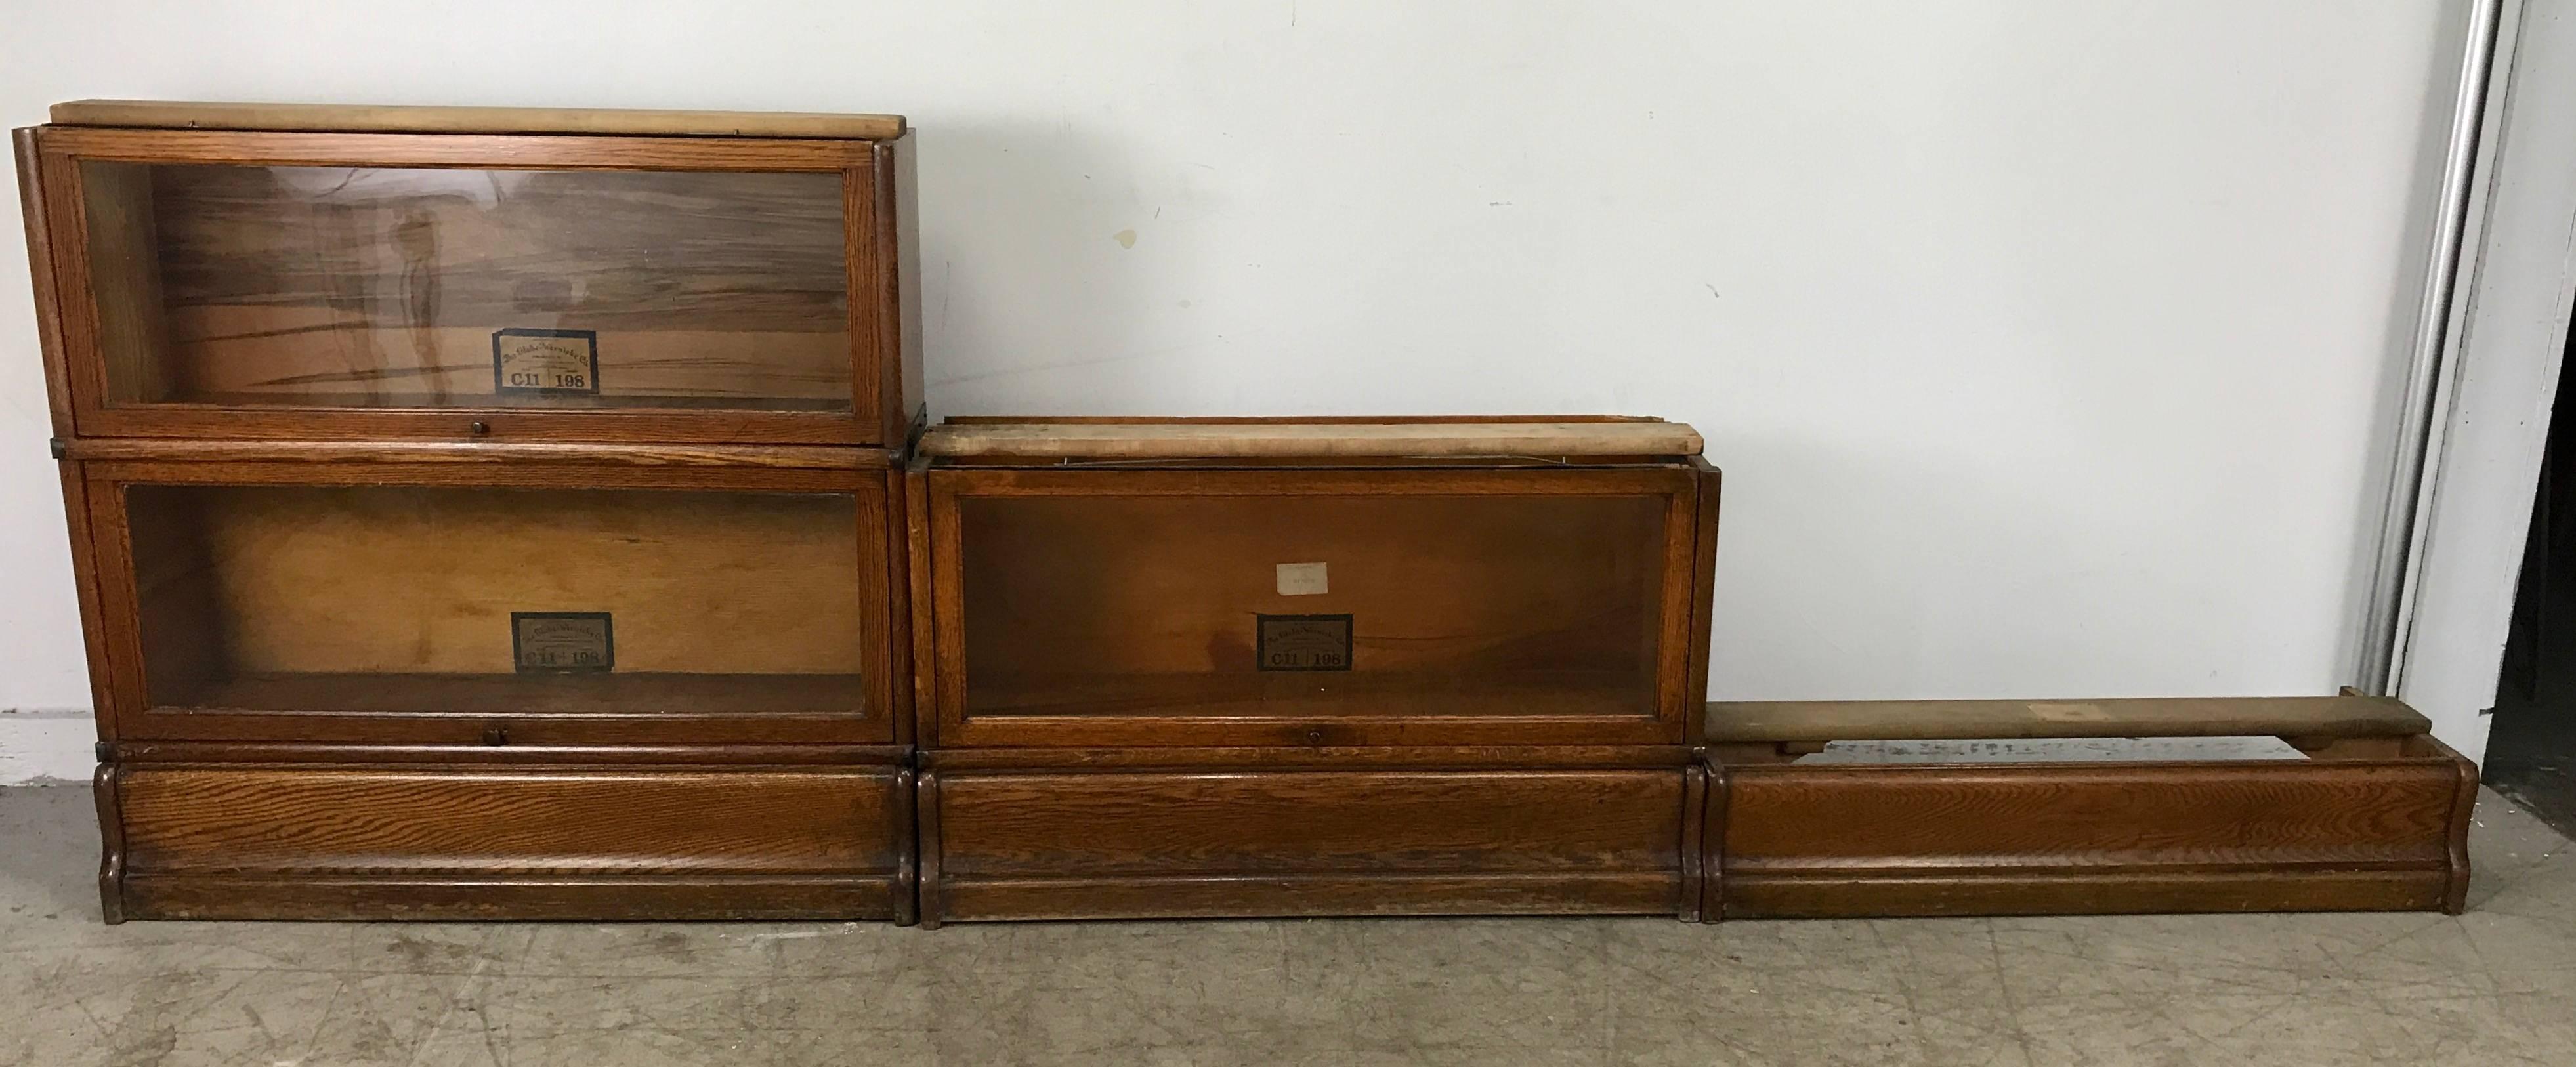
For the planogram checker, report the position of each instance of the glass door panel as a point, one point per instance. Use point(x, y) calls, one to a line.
point(1312, 606)
point(391, 287)
point(486, 601)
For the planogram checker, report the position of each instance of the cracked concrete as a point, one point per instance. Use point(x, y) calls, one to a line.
point(2497, 985)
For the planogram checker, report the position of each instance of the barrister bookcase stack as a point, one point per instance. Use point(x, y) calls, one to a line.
point(486, 513)
point(519, 513)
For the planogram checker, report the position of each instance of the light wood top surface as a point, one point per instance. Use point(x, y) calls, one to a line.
point(397, 118)
point(1040, 439)
point(1919, 720)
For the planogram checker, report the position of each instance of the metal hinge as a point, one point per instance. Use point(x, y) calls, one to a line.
point(56, 446)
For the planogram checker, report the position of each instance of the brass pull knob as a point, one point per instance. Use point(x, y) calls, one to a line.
point(478, 427)
point(1315, 737)
point(496, 735)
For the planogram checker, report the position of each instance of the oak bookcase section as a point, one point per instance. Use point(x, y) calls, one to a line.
point(1254, 667)
point(345, 602)
point(487, 513)
point(2312, 804)
point(239, 272)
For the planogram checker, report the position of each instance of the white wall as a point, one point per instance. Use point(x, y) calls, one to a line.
point(2043, 343)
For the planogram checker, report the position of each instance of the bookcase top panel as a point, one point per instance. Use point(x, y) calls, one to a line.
point(398, 118)
point(1038, 438)
point(1907, 720)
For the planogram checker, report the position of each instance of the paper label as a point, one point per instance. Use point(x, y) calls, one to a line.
point(1304, 579)
point(562, 641)
point(545, 361)
point(2058, 750)
point(1304, 643)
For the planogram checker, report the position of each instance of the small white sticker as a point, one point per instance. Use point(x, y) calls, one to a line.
point(1303, 579)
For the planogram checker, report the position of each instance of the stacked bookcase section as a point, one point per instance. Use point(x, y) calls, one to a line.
point(1249, 667)
point(487, 512)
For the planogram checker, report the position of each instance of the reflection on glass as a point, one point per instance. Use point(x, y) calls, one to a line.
point(1311, 605)
point(393, 287)
point(497, 600)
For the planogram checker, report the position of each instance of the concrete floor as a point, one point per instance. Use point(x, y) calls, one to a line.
point(2495, 986)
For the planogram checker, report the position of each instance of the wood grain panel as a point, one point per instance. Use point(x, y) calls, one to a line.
point(1255, 896)
point(1867, 720)
point(186, 820)
point(1764, 896)
point(510, 453)
point(384, 579)
point(357, 287)
point(588, 898)
point(1116, 843)
point(1955, 839)
point(39, 227)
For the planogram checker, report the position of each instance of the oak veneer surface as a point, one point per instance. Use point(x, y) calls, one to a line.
point(383, 287)
point(1040, 844)
point(2322, 834)
point(1857, 720)
point(354, 842)
point(257, 591)
point(1094, 440)
point(400, 118)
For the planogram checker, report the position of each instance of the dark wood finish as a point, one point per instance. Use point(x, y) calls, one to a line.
point(515, 453)
point(1712, 844)
point(209, 841)
point(1300, 758)
point(922, 595)
point(1165, 576)
point(926, 845)
point(207, 343)
point(513, 754)
point(891, 284)
point(1694, 831)
point(890, 574)
point(2333, 832)
point(903, 826)
point(106, 791)
point(1098, 845)
point(1703, 593)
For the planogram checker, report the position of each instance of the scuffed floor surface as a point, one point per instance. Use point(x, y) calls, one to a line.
point(2495, 986)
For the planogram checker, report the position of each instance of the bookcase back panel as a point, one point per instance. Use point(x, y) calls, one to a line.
point(419, 599)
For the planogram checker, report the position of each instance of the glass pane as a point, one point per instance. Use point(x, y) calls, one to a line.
point(497, 600)
point(1311, 605)
point(391, 287)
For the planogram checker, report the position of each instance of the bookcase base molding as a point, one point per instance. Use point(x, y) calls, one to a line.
point(1199, 836)
point(2082, 807)
point(384, 840)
